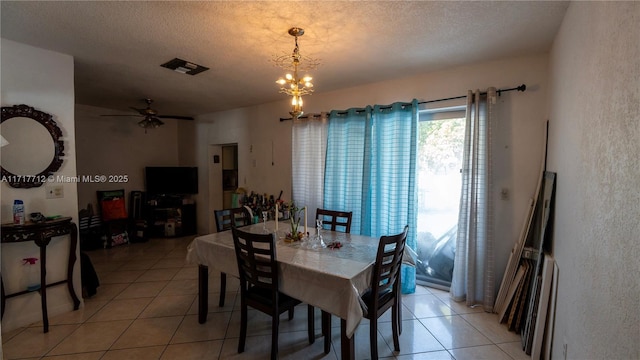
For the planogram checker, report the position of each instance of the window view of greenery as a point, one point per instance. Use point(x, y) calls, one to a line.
point(440, 152)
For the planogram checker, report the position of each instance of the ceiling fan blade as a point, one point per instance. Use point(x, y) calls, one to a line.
point(134, 115)
point(174, 117)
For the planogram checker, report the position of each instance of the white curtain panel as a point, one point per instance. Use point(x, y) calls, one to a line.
point(309, 150)
point(473, 273)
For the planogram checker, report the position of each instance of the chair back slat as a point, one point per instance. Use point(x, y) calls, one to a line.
point(388, 260)
point(335, 220)
point(234, 217)
point(256, 257)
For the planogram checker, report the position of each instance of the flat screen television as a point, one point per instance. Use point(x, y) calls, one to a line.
point(171, 180)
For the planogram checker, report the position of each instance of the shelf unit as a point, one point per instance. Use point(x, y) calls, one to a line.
point(171, 216)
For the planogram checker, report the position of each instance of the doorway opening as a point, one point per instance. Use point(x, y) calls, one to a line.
point(223, 179)
point(229, 174)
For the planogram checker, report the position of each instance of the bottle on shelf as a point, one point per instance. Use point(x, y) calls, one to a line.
point(18, 212)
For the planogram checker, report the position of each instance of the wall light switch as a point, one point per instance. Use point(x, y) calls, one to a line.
point(54, 191)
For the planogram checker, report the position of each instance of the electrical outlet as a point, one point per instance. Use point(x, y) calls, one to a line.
point(54, 191)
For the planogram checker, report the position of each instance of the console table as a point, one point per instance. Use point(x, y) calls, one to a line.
point(41, 234)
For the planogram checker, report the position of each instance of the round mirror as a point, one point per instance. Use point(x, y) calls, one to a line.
point(31, 146)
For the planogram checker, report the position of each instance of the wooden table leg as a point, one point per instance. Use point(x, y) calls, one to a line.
point(43, 287)
point(73, 238)
point(311, 324)
point(223, 289)
point(203, 293)
point(347, 345)
point(3, 299)
point(326, 331)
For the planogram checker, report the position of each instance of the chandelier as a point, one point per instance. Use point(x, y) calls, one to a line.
point(292, 85)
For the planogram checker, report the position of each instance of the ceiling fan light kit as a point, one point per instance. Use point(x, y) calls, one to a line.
point(150, 123)
point(292, 84)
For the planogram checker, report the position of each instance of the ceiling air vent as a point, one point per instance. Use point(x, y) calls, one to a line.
point(184, 67)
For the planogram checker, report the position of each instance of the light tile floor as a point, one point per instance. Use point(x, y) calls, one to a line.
point(146, 308)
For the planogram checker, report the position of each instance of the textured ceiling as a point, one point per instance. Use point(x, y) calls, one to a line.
point(118, 46)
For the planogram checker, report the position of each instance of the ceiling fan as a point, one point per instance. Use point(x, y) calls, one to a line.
point(151, 118)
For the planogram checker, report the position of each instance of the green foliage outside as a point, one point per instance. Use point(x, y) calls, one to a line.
point(440, 145)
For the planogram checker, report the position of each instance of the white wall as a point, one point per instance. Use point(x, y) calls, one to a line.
point(186, 143)
point(118, 146)
point(594, 147)
point(518, 137)
point(44, 80)
point(221, 128)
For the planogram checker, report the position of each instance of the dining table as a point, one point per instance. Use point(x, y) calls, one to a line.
point(330, 274)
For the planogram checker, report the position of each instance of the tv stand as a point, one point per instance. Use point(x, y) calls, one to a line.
point(171, 216)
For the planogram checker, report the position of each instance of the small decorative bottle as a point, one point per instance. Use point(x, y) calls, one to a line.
point(33, 273)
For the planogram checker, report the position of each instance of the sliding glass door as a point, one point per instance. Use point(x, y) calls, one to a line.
point(440, 148)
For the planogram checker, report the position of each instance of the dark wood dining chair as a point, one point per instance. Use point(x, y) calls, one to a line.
point(385, 288)
point(334, 221)
point(259, 286)
point(225, 220)
point(228, 218)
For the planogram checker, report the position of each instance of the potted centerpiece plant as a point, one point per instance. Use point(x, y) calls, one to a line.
point(295, 214)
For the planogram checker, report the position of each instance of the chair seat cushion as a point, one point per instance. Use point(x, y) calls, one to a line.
point(383, 297)
point(263, 296)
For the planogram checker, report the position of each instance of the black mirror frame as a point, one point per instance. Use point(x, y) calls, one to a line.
point(36, 180)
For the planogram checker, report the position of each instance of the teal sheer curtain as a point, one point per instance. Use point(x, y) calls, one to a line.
point(370, 170)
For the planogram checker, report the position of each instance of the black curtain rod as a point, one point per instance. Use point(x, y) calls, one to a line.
point(522, 88)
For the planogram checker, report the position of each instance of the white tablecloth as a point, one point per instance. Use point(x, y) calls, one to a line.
point(330, 279)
